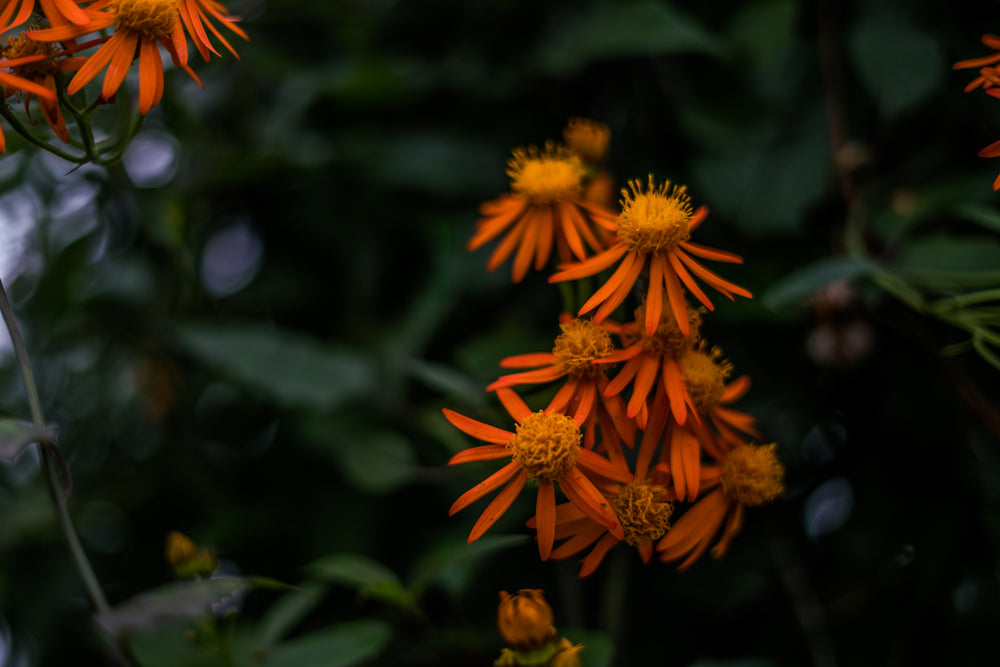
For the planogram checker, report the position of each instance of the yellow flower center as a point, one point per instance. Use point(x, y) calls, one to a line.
point(705, 376)
point(580, 343)
point(546, 445)
point(152, 18)
point(643, 510)
point(668, 340)
point(545, 177)
point(587, 138)
point(656, 219)
point(22, 47)
point(753, 475)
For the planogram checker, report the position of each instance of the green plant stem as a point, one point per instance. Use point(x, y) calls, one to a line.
point(49, 461)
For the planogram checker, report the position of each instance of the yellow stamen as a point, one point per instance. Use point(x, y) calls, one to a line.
point(656, 219)
point(545, 177)
point(22, 47)
point(753, 475)
point(643, 510)
point(705, 376)
point(580, 343)
point(153, 18)
point(668, 340)
point(587, 138)
point(546, 445)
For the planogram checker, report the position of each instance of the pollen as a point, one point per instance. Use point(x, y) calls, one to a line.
point(22, 47)
point(655, 220)
point(546, 445)
point(643, 510)
point(580, 344)
point(668, 341)
point(753, 475)
point(152, 18)
point(547, 176)
point(705, 376)
point(587, 138)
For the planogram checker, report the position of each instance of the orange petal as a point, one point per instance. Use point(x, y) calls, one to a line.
point(598, 464)
point(594, 558)
point(478, 429)
point(516, 407)
point(482, 453)
point(491, 483)
point(545, 515)
point(591, 265)
point(499, 505)
point(581, 492)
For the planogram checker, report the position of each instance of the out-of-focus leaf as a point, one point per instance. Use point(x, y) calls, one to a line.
point(290, 368)
point(170, 646)
point(946, 262)
point(353, 570)
point(340, 645)
point(898, 62)
point(286, 612)
point(598, 648)
point(982, 214)
point(797, 288)
point(453, 563)
point(15, 435)
point(183, 601)
point(621, 30)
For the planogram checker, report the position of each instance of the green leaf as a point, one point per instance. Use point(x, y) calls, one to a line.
point(898, 63)
point(182, 601)
point(340, 645)
point(982, 214)
point(287, 612)
point(453, 563)
point(797, 288)
point(598, 648)
point(353, 570)
point(16, 435)
point(291, 368)
point(621, 30)
point(947, 262)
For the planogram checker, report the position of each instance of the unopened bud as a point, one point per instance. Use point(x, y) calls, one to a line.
point(525, 620)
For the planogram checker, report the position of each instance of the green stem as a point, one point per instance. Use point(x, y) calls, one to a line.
point(49, 462)
point(963, 300)
point(19, 127)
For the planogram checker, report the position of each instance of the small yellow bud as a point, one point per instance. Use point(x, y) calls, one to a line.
point(187, 560)
point(525, 620)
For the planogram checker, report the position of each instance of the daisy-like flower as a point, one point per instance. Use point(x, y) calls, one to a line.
point(544, 209)
point(652, 233)
point(643, 509)
point(573, 358)
point(15, 83)
point(989, 81)
point(57, 12)
point(140, 26)
point(705, 373)
point(545, 447)
point(42, 72)
point(747, 476)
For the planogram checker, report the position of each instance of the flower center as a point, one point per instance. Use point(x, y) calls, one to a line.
point(580, 343)
point(546, 445)
point(544, 177)
point(654, 220)
point(705, 377)
point(668, 340)
point(22, 47)
point(753, 475)
point(152, 18)
point(643, 510)
point(587, 138)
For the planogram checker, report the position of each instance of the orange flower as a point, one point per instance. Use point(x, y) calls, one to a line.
point(577, 348)
point(57, 12)
point(545, 447)
point(746, 477)
point(195, 15)
point(988, 73)
point(42, 72)
point(643, 509)
point(588, 139)
point(546, 208)
point(15, 83)
point(652, 233)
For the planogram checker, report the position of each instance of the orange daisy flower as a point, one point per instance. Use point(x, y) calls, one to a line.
point(643, 509)
point(988, 75)
point(652, 234)
point(16, 83)
point(577, 349)
point(545, 208)
point(746, 477)
point(42, 72)
point(546, 447)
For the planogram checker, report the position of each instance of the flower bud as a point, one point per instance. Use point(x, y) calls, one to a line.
point(187, 560)
point(525, 620)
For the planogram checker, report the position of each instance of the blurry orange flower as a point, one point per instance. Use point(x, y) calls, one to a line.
point(747, 476)
point(545, 208)
point(652, 233)
point(588, 139)
point(41, 71)
point(989, 80)
point(15, 83)
point(545, 447)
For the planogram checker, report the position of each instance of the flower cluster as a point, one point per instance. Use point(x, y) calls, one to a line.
point(113, 34)
point(641, 421)
point(989, 81)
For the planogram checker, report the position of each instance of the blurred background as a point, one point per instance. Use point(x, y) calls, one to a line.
point(246, 331)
